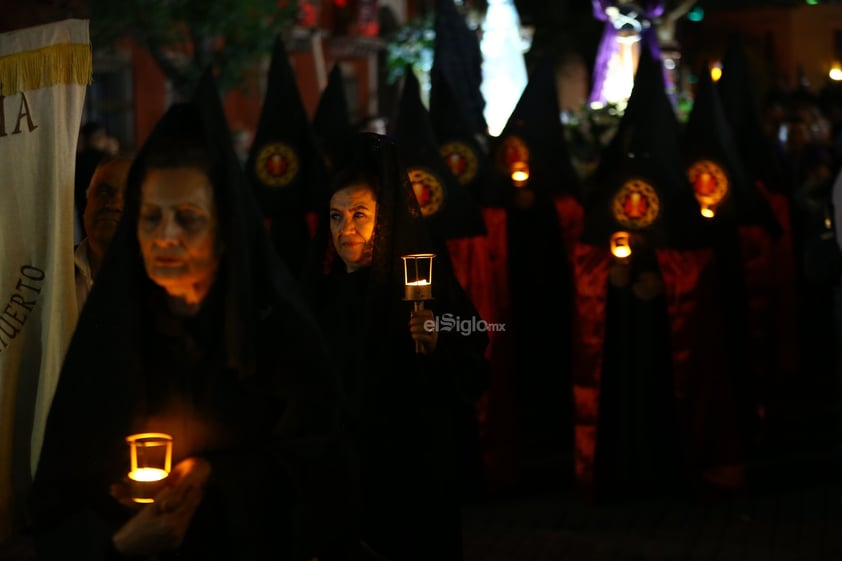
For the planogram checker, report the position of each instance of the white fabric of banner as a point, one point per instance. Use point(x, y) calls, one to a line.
point(44, 71)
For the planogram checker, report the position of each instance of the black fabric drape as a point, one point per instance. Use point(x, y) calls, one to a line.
point(637, 444)
point(243, 384)
point(402, 406)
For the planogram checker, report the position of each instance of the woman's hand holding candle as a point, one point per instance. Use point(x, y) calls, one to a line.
point(162, 525)
point(422, 329)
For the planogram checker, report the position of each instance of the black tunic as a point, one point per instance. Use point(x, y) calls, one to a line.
point(403, 411)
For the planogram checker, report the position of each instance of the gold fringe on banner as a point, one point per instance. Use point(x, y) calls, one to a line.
point(46, 67)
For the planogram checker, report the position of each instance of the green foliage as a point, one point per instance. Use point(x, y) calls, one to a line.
point(411, 45)
point(185, 36)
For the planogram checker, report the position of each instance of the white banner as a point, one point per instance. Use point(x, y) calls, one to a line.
point(44, 72)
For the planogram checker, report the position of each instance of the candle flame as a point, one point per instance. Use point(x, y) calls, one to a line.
point(148, 474)
point(621, 251)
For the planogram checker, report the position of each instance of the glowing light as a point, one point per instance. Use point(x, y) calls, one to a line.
point(151, 462)
point(148, 474)
point(622, 65)
point(418, 275)
point(708, 212)
point(504, 73)
point(622, 251)
point(519, 173)
point(716, 71)
point(835, 73)
point(620, 246)
point(696, 14)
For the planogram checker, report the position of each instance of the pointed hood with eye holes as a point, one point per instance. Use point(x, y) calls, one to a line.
point(641, 184)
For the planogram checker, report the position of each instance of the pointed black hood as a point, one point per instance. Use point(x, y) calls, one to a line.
point(457, 62)
point(448, 207)
point(641, 184)
point(742, 110)
point(715, 167)
point(284, 160)
point(469, 160)
point(534, 130)
point(332, 122)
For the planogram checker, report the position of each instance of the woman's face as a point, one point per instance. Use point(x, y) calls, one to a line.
point(177, 230)
point(352, 217)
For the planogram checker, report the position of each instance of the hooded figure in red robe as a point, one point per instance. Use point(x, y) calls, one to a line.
point(721, 402)
point(635, 309)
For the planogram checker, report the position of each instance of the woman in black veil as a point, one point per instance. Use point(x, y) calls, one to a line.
point(403, 401)
point(194, 329)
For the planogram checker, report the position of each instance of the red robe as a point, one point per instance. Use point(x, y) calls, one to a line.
point(704, 399)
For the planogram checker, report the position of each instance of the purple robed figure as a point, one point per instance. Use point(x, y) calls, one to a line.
point(628, 12)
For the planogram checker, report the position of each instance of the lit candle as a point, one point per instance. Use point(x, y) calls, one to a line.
point(621, 246)
point(151, 461)
point(418, 277)
point(520, 173)
point(418, 281)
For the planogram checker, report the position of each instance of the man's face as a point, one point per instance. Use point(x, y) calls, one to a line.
point(104, 206)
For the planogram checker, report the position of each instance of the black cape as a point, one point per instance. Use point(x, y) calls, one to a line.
point(243, 384)
point(402, 406)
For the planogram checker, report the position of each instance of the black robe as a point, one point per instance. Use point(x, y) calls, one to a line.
point(244, 384)
point(403, 409)
point(637, 445)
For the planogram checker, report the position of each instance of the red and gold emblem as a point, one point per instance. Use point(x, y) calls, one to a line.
point(428, 190)
point(512, 151)
point(636, 205)
point(710, 184)
point(276, 165)
point(461, 160)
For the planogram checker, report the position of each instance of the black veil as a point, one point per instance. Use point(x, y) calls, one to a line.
point(265, 374)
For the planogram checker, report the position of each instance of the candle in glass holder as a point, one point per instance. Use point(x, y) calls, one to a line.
point(418, 276)
point(621, 246)
point(151, 462)
point(418, 281)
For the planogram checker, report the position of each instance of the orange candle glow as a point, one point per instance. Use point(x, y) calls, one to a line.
point(151, 462)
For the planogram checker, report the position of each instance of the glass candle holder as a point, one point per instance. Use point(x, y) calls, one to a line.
point(621, 246)
point(418, 276)
point(151, 462)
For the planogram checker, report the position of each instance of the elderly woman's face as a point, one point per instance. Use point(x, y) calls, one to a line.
point(177, 230)
point(352, 217)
